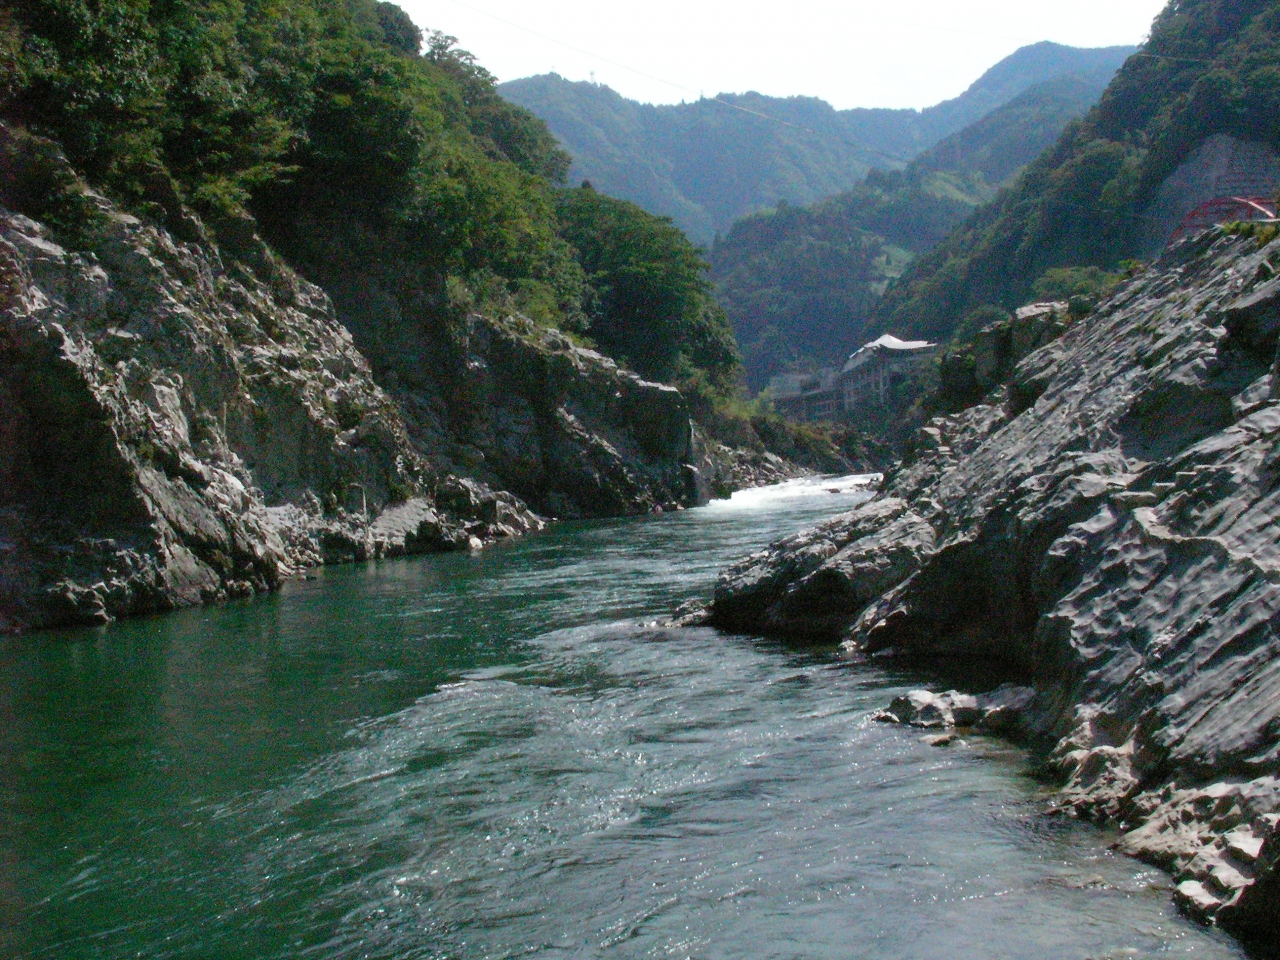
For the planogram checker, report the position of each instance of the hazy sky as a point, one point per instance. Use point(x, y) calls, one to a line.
point(858, 53)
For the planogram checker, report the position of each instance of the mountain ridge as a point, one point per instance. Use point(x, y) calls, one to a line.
point(793, 278)
point(707, 163)
point(1206, 72)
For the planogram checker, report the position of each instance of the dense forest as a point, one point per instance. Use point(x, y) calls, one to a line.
point(795, 281)
point(708, 162)
point(1209, 67)
point(352, 142)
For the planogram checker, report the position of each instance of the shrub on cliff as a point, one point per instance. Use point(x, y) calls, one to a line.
point(651, 300)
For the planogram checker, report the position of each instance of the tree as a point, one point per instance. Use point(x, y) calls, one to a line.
point(652, 303)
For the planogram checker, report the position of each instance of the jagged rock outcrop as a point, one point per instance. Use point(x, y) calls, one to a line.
point(1000, 347)
point(178, 429)
point(998, 711)
point(1110, 533)
point(524, 408)
point(185, 421)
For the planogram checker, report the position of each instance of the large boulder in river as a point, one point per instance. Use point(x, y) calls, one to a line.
point(1111, 531)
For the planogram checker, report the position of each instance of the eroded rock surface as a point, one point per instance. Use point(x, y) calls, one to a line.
point(523, 408)
point(178, 430)
point(185, 421)
point(1111, 531)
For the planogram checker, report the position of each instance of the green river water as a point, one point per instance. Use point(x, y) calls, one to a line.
point(498, 755)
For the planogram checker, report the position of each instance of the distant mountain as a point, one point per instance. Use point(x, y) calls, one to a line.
point(1197, 116)
point(798, 282)
point(706, 164)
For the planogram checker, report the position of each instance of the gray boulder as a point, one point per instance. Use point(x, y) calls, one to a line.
point(998, 710)
point(1109, 530)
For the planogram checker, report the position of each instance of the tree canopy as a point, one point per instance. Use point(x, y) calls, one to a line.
point(361, 146)
point(651, 299)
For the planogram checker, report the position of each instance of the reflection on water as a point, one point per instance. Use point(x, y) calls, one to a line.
point(498, 755)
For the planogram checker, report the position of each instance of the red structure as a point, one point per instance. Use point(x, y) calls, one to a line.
point(1224, 210)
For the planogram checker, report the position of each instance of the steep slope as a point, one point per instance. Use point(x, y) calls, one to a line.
point(183, 424)
point(707, 163)
point(1107, 533)
point(795, 280)
point(190, 416)
point(1191, 118)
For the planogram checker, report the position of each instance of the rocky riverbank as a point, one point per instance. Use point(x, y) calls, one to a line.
point(1106, 531)
point(183, 424)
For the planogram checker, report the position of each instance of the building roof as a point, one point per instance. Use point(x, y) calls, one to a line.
point(887, 342)
point(1041, 309)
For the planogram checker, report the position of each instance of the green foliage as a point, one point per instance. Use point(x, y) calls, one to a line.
point(1209, 67)
point(957, 386)
point(39, 181)
point(793, 282)
point(709, 162)
point(1067, 283)
point(984, 316)
point(13, 76)
point(1263, 233)
point(359, 152)
point(652, 303)
point(800, 283)
point(398, 30)
point(505, 131)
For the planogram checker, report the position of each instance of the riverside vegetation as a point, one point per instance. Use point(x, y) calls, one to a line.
point(287, 282)
point(280, 289)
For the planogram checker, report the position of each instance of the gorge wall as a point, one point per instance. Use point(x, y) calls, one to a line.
point(182, 425)
point(1108, 533)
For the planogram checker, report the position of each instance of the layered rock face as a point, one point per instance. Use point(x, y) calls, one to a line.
point(1108, 533)
point(178, 430)
point(183, 424)
point(525, 409)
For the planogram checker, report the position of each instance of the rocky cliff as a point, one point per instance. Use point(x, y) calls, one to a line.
point(181, 424)
point(523, 408)
point(1108, 534)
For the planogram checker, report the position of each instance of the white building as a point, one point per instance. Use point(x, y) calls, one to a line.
point(869, 373)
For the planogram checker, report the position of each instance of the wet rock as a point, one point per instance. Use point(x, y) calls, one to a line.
point(808, 586)
point(920, 708)
point(998, 710)
point(1193, 897)
point(1108, 532)
point(948, 739)
point(1003, 708)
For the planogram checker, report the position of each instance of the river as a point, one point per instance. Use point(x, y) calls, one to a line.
point(500, 755)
